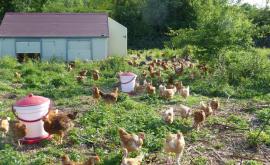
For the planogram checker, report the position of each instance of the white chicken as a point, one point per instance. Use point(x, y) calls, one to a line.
point(184, 92)
point(168, 115)
point(4, 126)
point(167, 93)
point(175, 143)
point(131, 142)
point(185, 111)
point(131, 161)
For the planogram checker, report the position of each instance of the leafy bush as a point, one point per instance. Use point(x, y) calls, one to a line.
point(218, 27)
point(248, 71)
point(254, 141)
point(11, 157)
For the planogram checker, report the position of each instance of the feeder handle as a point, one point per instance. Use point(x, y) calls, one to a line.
point(29, 121)
point(129, 81)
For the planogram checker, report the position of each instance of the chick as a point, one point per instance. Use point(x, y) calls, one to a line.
point(175, 143)
point(110, 97)
point(4, 126)
point(131, 142)
point(131, 161)
point(69, 68)
point(95, 75)
point(150, 89)
point(17, 75)
point(168, 115)
point(59, 124)
point(185, 111)
point(166, 93)
point(199, 118)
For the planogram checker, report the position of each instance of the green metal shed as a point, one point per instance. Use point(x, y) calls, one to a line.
point(67, 36)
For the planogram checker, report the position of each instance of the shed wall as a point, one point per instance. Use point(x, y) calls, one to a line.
point(117, 39)
point(54, 48)
point(57, 47)
point(99, 48)
point(1, 40)
point(8, 47)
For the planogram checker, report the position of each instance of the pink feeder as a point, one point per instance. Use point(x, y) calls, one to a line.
point(128, 80)
point(30, 110)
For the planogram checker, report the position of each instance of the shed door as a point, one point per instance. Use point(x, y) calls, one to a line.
point(79, 50)
point(28, 47)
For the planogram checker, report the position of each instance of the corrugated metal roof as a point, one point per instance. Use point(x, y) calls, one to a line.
point(54, 25)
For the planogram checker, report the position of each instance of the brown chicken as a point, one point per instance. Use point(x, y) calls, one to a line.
point(4, 126)
point(131, 161)
point(18, 130)
point(144, 74)
point(199, 118)
point(96, 93)
point(110, 97)
point(206, 108)
point(139, 88)
point(72, 64)
point(158, 73)
point(92, 160)
point(179, 86)
point(130, 62)
point(59, 124)
point(178, 69)
point(152, 73)
point(151, 68)
point(214, 104)
point(175, 143)
point(150, 89)
point(171, 80)
point(83, 73)
point(95, 75)
point(164, 65)
point(131, 142)
point(80, 78)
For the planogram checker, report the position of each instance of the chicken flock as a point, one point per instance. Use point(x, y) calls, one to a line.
point(59, 122)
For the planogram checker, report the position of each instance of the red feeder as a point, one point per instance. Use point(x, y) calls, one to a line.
point(30, 110)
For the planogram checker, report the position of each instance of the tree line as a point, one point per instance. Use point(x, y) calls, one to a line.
point(211, 24)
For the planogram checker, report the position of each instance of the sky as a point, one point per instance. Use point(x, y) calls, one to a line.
point(259, 3)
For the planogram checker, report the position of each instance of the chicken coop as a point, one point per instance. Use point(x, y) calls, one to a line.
point(67, 36)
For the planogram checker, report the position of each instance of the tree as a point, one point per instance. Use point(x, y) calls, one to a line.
point(5, 6)
point(218, 26)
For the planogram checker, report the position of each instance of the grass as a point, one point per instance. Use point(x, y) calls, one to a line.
point(96, 127)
